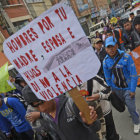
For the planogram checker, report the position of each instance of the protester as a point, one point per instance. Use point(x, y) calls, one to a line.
point(110, 33)
point(120, 22)
point(138, 12)
point(132, 16)
point(135, 35)
point(123, 78)
point(127, 30)
point(101, 53)
point(20, 81)
point(98, 35)
point(5, 127)
point(98, 90)
point(63, 117)
point(117, 33)
point(13, 110)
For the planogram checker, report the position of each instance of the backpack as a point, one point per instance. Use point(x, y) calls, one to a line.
point(18, 96)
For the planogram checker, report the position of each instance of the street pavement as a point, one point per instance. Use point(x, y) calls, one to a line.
point(123, 121)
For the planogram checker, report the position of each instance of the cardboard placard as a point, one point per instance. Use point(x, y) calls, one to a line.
point(52, 53)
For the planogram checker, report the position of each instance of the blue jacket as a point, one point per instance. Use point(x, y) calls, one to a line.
point(15, 114)
point(5, 125)
point(128, 67)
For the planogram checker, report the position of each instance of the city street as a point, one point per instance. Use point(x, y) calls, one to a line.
point(123, 121)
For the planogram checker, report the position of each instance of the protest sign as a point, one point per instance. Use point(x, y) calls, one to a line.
point(52, 53)
point(136, 58)
point(5, 84)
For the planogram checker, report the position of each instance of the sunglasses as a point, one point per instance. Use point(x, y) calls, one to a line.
point(36, 105)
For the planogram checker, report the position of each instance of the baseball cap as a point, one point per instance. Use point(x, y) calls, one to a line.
point(110, 41)
point(97, 40)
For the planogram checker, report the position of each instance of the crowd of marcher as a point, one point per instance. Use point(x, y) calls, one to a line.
point(25, 117)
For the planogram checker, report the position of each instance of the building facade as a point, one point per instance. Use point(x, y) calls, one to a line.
point(37, 7)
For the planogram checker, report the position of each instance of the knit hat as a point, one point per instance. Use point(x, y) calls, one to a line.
point(29, 96)
point(136, 20)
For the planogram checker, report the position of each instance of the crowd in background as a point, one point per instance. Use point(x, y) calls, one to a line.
point(25, 117)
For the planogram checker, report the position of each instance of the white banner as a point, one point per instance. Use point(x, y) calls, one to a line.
point(52, 53)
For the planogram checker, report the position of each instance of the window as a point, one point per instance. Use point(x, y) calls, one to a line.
point(33, 1)
point(20, 24)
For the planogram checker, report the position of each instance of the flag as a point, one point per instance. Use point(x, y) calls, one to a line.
point(5, 84)
point(136, 58)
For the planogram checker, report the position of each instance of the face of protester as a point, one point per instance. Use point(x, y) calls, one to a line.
point(112, 50)
point(23, 83)
point(127, 26)
point(98, 45)
point(45, 106)
point(132, 17)
point(137, 26)
point(109, 34)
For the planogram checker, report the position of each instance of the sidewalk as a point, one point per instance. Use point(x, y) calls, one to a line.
point(123, 121)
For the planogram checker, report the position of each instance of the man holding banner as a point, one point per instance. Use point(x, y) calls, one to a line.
point(63, 117)
point(53, 55)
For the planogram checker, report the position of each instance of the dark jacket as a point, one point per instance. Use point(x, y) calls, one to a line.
point(69, 124)
point(127, 39)
point(135, 36)
point(101, 55)
point(117, 36)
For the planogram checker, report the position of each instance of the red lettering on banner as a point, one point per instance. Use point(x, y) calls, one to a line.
point(45, 82)
point(52, 43)
point(22, 40)
point(79, 80)
point(25, 61)
point(29, 58)
point(18, 42)
point(35, 86)
point(55, 91)
point(9, 45)
point(16, 63)
point(70, 32)
point(61, 13)
point(34, 33)
point(45, 24)
point(22, 61)
point(50, 93)
point(44, 95)
point(14, 44)
point(55, 77)
point(59, 89)
point(26, 37)
point(64, 86)
point(68, 82)
point(74, 81)
point(62, 73)
point(32, 73)
point(63, 40)
point(33, 55)
point(68, 72)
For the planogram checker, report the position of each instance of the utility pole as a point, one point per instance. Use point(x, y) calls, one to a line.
point(4, 14)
